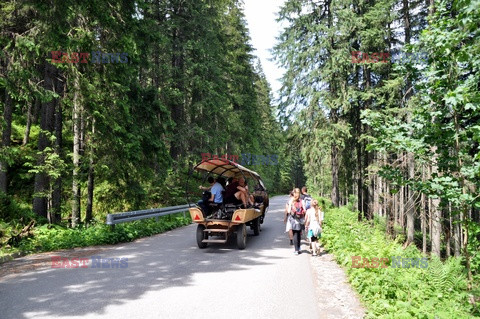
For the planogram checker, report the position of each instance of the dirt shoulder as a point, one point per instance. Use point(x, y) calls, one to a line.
point(336, 298)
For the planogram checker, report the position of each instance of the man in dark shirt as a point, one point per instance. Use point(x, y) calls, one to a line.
point(234, 193)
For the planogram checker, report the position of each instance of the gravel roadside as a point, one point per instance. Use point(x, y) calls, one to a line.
point(336, 298)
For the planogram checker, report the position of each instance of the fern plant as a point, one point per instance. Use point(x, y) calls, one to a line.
point(438, 291)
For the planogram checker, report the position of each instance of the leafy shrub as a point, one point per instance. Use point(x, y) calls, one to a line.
point(438, 291)
point(54, 237)
point(324, 202)
point(11, 211)
point(352, 202)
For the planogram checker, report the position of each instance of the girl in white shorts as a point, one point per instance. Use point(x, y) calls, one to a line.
point(313, 222)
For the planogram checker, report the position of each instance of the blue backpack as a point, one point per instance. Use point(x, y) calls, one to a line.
point(307, 201)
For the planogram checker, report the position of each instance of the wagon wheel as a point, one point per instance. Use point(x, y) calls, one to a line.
point(263, 215)
point(256, 226)
point(241, 236)
point(201, 235)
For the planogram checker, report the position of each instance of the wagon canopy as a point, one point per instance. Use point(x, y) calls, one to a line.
point(227, 169)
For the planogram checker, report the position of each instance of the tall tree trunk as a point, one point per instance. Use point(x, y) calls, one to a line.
point(360, 154)
point(335, 196)
point(54, 215)
point(376, 194)
point(77, 136)
point(91, 177)
point(396, 208)
point(466, 252)
point(432, 7)
point(448, 233)
point(436, 226)
point(424, 217)
point(465, 207)
point(436, 213)
point(401, 207)
point(410, 158)
point(457, 236)
point(42, 181)
point(334, 158)
point(367, 184)
point(390, 216)
point(6, 135)
point(359, 181)
point(429, 210)
point(385, 191)
point(411, 209)
point(367, 156)
point(31, 116)
point(335, 186)
point(178, 66)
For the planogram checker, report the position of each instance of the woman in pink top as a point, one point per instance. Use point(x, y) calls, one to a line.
point(296, 218)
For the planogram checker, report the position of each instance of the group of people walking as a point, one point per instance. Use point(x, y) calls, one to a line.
point(303, 214)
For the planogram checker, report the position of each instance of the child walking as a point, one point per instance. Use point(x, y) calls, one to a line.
point(313, 222)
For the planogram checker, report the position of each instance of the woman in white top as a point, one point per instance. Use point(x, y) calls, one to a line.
point(313, 222)
point(296, 218)
point(288, 226)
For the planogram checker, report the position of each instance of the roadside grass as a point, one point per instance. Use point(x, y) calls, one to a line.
point(53, 237)
point(438, 291)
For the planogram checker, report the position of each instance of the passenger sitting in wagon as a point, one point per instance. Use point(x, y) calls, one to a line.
point(250, 197)
point(203, 203)
point(235, 193)
point(217, 191)
point(212, 194)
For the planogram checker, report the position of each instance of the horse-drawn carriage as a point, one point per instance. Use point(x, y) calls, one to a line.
point(222, 220)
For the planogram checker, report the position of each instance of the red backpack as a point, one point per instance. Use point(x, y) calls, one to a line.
point(297, 207)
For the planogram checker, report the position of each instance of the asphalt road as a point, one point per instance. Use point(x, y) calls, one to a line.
point(168, 276)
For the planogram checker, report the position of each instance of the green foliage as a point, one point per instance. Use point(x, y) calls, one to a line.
point(442, 130)
point(54, 237)
point(438, 291)
point(352, 202)
point(13, 212)
point(191, 85)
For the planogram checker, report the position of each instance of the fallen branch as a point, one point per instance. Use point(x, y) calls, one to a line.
point(25, 232)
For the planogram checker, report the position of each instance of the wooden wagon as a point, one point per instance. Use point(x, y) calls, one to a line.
point(229, 219)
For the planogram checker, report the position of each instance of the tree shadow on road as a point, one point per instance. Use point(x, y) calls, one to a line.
point(155, 263)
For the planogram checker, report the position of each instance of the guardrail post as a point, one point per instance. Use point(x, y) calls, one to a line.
point(110, 222)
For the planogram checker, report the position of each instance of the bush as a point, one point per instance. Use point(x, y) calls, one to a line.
point(10, 210)
point(54, 237)
point(325, 203)
point(439, 291)
point(352, 202)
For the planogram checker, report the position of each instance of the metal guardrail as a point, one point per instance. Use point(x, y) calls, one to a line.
point(117, 218)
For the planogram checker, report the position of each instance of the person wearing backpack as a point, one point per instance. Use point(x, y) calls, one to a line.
point(313, 221)
point(296, 218)
point(307, 203)
point(306, 198)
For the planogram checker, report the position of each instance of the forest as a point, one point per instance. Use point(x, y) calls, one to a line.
point(387, 104)
point(106, 106)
